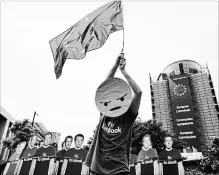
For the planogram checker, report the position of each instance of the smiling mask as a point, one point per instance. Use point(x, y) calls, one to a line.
point(113, 97)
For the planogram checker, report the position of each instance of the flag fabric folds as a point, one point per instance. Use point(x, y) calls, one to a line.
point(88, 34)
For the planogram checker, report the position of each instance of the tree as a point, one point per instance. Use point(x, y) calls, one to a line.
point(21, 132)
point(210, 164)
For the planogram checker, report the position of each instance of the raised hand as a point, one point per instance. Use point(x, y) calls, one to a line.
point(122, 64)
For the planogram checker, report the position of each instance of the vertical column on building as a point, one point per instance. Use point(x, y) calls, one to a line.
point(205, 106)
point(4, 135)
point(161, 109)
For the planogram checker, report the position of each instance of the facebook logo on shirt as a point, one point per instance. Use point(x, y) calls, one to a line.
point(109, 128)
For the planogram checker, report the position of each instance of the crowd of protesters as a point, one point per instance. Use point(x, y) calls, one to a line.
point(147, 162)
point(47, 149)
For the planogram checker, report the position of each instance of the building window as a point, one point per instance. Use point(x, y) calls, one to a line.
point(192, 70)
point(181, 68)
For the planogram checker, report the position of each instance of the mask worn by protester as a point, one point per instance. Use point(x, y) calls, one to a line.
point(113, 97)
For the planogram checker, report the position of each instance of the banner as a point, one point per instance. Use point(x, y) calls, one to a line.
point(182, 110)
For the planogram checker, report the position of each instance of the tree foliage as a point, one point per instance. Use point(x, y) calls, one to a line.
point(21, 132)
point(211, 162)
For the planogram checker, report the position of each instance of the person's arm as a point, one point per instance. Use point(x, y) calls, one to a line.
point(136, 89)
point(115, 67)
point(181, 168)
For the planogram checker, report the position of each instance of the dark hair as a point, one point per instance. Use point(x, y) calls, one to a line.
point(63, 143)
point(69, 136)
point(48, 133)
point(168, 135)
point(79, 135)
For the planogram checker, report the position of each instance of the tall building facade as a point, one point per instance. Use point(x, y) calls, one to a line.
point(183, 99)
point(6, 121)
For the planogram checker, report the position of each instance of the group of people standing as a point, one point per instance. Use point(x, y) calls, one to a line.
point(48, 150)
point(148, 162)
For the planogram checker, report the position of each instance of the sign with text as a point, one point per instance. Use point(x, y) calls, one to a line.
point(182, 110)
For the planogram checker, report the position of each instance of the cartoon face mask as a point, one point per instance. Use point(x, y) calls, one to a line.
point(113, 97)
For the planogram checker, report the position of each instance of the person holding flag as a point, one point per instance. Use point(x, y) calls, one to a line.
point(109, 152)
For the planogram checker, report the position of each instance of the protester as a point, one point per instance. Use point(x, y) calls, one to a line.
point(46, 149)
point(14, 155)
point(170, 159)
point(77, 152)
point(31, 149)
point(61, 154)
point(147, 158)
point(109, 151)
point(67, 143)
point(17, 152)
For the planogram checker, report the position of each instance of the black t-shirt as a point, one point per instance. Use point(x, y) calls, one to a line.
point(170, 161)
point(61, 154)
point(78, 154)
point(133, 159)
point(147, 159)
point(45, 151)
point(111, 150)
point(29, 152)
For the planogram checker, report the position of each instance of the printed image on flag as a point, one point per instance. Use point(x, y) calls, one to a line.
point(88, 34)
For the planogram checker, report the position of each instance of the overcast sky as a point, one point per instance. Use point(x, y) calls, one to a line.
point(156, 34)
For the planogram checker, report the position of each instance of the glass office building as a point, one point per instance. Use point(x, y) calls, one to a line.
point(183, 99)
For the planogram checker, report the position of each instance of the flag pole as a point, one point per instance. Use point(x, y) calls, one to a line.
point(123, 41)
point(123, 31)
point(33, 117)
